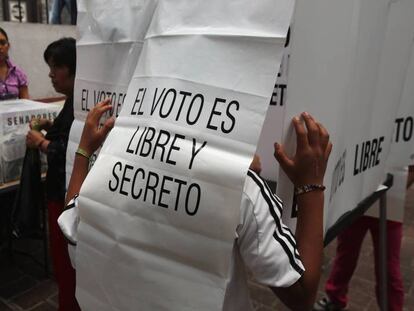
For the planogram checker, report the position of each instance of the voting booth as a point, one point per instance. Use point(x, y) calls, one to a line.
point(356, 79)
point(194, 95)
point(190, 95)
point(15, 117)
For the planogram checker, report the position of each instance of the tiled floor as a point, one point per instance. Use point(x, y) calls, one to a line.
point(23, 282)
point(24, 286)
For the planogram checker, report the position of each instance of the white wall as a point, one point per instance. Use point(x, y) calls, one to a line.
point(28, 42)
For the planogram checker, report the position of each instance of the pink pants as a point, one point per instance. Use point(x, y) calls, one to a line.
point(347, 252)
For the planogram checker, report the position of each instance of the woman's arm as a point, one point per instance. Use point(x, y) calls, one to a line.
point(92, 137)
point(24, 92)
point(79, 173)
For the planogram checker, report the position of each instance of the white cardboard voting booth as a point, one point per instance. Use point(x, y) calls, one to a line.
point(402, 148)
point(194, 86)
point(110, 40)
point(15, 116)
point(160, 206)
point(347, 66)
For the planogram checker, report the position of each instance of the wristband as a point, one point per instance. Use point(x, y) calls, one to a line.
point(308, 188)
point(83, 153)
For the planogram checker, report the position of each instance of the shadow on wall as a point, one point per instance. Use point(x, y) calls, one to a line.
point(27, 44)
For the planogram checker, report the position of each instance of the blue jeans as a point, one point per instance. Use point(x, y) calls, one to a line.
point(56, 11)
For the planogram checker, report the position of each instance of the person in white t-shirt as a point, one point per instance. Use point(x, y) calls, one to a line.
point(289, 264)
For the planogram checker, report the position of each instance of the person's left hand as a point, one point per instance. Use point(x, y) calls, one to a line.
point(313, 147)
point(34, 138)
point(40, 124)
point(93, 135)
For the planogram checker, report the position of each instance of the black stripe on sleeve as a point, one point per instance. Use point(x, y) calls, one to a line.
point(278, 203)
point(69, 241)
point(72, 203)
point(279, 230)
point(269, 194)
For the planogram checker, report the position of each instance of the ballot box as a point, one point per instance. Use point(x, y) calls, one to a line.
point(15, 117)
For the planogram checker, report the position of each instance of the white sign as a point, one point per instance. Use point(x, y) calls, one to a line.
point(111, 35)
point(402, 147)
point(18, 11)
point(273, 125)
point(347, 67)
point(159, 208)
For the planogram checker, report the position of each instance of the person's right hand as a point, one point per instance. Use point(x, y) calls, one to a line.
point(308, 165)
point(93, 135)
point(39, 124)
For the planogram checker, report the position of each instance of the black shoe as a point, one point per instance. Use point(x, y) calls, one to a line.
point(325, 304)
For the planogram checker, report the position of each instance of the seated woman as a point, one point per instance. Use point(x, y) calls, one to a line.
point(13, 81)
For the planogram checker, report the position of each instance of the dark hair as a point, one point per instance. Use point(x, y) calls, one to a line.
point(4, 33)
point(62, 53)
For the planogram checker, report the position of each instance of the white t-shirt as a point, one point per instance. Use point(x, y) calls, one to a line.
point(263, 244)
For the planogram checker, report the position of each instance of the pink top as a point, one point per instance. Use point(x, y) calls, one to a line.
point(15, 79)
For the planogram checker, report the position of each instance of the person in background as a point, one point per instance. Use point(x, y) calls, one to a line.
point(348, 248)
point(13, 81)
point(349, 244)
point(61, 59)
point(56, 12)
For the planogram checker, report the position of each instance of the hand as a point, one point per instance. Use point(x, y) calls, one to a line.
point(40, 124)
point(34, 138)
point(256, 166)
point(313, 148)
point(93, 135)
